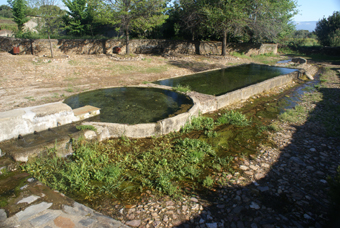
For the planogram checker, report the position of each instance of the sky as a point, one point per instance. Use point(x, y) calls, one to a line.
point(314, 10)
point(309, 10)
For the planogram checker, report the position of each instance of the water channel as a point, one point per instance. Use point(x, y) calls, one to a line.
point(219, 82)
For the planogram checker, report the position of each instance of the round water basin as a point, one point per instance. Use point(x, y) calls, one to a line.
point(132, 105)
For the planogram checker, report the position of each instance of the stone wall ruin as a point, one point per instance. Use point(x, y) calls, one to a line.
point(152, 46)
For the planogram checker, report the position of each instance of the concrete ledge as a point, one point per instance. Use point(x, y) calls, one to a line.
point(27, 120)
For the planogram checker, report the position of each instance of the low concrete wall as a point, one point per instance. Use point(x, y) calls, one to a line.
point(88, 46)
point(27, 120)
point(249, 91)
point(202, 104)
point(161, 127)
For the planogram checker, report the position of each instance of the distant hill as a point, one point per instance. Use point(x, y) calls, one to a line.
point(305, 25)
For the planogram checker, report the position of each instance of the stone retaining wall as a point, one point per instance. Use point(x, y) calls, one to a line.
point(88, 46)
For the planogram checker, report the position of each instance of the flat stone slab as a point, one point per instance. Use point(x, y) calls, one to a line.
point(86, 112)
point(45, 218)
point(29, 199)
point(3, 215)
point(50, 109)
point(32, 210)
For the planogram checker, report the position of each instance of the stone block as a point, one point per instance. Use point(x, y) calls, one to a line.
point(29, 199)
point(32, 210)
point(45, 218)
point(3, 215)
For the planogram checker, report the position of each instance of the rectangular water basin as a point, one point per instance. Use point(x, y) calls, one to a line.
point(219, 82)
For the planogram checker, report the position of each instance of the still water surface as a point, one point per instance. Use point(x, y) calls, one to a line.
point(219, 82)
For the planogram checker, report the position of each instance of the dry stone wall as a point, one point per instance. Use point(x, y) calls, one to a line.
point(88, 46)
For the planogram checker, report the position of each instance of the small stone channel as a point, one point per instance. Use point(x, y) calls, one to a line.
point(150, 210)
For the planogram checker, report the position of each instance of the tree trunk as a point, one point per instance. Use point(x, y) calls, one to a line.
point(224, 42)
point(49, 39)
point(127, 40)
point(192, 35)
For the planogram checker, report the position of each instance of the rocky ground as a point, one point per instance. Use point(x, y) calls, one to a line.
point(284, 186)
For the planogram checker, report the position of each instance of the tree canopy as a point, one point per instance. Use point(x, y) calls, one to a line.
point(328, 30)
point(6, 11)
point(226, 20)
point(19, 9)
point(140, 16)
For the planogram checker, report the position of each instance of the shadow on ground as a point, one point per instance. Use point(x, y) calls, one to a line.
point(294, 192)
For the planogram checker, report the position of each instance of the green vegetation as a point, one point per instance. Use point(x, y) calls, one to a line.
point(19, 8)
point(30, 98)
point(328, 30)
point(319, 95)
point(297, 115)
point(182, 89)
point(268, 58)
point(167, 165)
point(234, 118)
point(5, 12)
point(233, 21)
point(97, 168)
point(86, 127)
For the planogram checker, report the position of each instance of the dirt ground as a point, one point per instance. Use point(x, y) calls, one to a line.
point(27, 80)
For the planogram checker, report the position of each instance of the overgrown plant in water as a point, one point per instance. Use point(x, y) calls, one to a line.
point(235, 118)
point(109, 167)
point(183, 89)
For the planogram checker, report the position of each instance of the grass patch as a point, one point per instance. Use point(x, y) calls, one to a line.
point(30, 98)
point(156, 70)
point(86, 127)
point(69, 90)
point(268, 58)
point(296, 115)
point(74, 63)
point(182, 89)
point(235, 118)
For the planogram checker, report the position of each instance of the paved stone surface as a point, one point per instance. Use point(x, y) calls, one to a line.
point(63, 222)
point(3, 215)
point(45, 218)
point(32, 210)
point(29, 199)
point(39, 216)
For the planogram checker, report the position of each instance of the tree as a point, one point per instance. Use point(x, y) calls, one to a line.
point(19, 12)
point(136, 15)
point(270, 19)
point(328, 30)
point(51, 18)
point(225, 18)
point(6, 11)
point(191, 16)
point(79, 20)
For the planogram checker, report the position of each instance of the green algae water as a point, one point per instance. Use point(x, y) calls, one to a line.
point(226, 80)
point(132, 105)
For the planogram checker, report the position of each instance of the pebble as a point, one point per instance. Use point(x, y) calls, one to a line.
point(254, 206)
